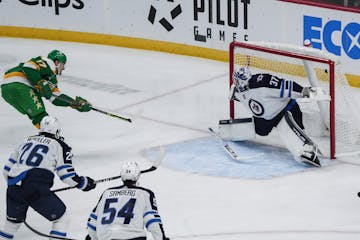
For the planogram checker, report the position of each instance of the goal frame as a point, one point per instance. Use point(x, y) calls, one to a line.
point(329, 62)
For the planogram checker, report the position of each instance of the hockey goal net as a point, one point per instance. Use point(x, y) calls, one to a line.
point(334, 125)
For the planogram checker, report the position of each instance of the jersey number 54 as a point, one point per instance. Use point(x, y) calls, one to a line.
point(125, 211)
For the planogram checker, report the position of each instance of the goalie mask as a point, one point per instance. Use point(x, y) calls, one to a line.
point(241, 77)
point(50, 125)
point(130, 171)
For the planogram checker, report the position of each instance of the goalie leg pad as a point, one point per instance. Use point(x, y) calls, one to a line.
point(314, 124)
point(296, 129)
point(297, 142)
point(309, 155)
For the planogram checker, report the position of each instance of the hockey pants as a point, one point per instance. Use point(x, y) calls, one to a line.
point(24, 99)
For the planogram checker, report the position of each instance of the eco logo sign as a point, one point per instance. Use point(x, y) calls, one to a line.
point(165, 21)
point(335, 36)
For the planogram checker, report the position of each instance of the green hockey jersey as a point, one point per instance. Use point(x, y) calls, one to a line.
point(31, 72)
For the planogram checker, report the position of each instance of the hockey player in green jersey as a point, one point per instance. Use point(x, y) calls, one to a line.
point(24, 86)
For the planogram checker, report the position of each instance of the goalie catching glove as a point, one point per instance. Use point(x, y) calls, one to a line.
point(315, 93)
point(81, 104)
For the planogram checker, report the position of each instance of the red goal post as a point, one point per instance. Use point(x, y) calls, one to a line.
point(309, 67)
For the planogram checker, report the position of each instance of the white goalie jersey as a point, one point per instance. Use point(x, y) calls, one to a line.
point(123, 213)
point(268, 95)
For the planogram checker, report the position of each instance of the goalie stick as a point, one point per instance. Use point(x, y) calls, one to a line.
point(156, 164)
point(230, 151)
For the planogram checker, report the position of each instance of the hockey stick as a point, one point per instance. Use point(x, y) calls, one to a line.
point(110, 114)
point(156, 164)
point(97, 110)
point(45, 235)
point(97, 181)
point(230, 151)
point(152, 168)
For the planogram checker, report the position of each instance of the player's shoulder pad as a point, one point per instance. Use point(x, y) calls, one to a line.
point(134, 187)
point(115, 188)
point(100, 198)
point(49, 63)
point(145, 189)
point(151, 196)
point(31, 64)
point(263, 80)
point(64, 145)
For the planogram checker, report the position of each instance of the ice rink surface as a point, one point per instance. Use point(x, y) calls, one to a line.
point(202, 194)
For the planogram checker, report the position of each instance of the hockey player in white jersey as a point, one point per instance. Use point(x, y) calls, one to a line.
point(29, 173)
point(272, 101)
point(123, 212)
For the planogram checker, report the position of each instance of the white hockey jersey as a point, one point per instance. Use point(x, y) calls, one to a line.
point(123, 213)
point(42, 151)
point(268, 95)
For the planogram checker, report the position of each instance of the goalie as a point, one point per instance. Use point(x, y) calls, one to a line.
point(272, 101)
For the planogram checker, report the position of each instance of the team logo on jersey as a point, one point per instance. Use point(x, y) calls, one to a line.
point(175, 12)
point(256, 107)
point(260, 78)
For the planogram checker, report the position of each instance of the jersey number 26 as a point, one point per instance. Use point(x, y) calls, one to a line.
point(35, 156)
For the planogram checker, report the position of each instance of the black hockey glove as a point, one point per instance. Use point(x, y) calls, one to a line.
point(89, 184)
point(88, 237)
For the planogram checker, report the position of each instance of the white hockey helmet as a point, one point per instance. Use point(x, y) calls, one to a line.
point(241, 77)
point(50, 125)
point(130, 171)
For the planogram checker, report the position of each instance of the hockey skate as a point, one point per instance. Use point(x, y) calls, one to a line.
point(309, 156)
